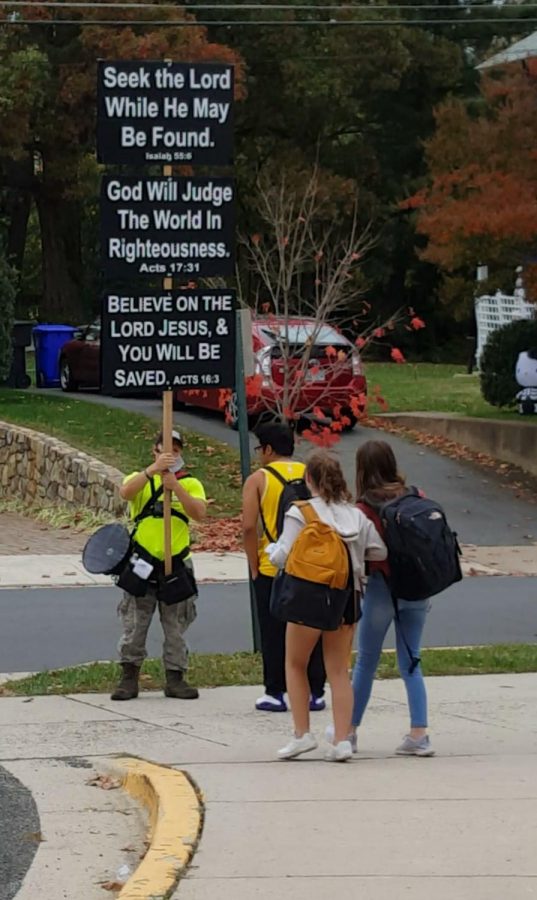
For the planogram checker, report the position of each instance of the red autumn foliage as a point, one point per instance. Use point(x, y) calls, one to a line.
point(253, 385)
point(325, 437)
point(224, 394)
point(416, 323)
point(218, 535)
point(481, 203)
point(397, 356)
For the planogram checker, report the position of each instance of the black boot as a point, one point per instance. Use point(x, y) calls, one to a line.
point(177, 687)
point(127, 688)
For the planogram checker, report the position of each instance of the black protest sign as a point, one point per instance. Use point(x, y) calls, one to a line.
point(160, 227)
point(164, 113)
point(181, 339)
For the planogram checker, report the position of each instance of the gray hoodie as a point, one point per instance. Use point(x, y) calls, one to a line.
point(358, 532)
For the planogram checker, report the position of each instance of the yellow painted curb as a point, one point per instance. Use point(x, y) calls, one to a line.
point(175, 821)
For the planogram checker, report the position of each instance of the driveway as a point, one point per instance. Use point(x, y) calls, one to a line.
point(480, 508)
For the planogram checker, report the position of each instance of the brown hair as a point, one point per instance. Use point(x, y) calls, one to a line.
point(324, 471)
point(376, 470)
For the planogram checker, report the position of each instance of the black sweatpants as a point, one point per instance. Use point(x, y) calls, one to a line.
point(273, 646)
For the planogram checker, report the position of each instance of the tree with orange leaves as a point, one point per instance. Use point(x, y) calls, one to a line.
point(481, 203)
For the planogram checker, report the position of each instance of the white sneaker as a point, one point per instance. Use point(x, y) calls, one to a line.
point(339, 752)
point(296, 746)
point(352, 737)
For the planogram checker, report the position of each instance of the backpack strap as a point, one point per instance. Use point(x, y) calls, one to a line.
point(283, 481)
point(414, 660)
point(276, 474)
point(149, 507)
point(307, 511)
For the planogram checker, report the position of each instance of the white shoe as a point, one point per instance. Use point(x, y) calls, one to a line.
point(339, 752)
point(352, 737)
point(296, 746)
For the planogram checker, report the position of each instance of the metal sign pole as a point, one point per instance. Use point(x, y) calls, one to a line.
point(244, 445)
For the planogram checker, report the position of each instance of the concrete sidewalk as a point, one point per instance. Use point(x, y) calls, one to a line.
point(66, 570)
point(461, 825)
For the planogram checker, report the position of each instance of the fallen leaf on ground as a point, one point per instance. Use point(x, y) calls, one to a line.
point(219, 535)
point(34, 836)
point(112, 886)
point(105, 782)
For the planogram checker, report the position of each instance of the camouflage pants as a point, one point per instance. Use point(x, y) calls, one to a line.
point(136, 614)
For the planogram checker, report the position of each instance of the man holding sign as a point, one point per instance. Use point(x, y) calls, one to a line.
point(145, 583)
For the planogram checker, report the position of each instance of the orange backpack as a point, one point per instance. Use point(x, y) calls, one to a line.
point(319, 553)
point(317, 582)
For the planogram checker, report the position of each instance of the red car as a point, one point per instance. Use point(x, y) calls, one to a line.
point(80, 359)
point(333, 371)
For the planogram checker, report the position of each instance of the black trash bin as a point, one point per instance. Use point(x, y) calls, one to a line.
point(21, 337)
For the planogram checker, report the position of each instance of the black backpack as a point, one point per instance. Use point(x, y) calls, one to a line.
point(293, 490)
point(423, 551)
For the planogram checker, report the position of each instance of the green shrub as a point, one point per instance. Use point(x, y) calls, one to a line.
point(498, 360)
point(7, 307)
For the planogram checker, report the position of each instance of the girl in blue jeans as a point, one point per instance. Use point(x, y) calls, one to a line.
point(378, 480)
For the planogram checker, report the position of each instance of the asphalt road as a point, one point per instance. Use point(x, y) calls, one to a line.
point(19, 833)
point(48, 628)
point(479, 507)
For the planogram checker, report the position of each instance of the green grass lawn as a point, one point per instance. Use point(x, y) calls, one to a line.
point(220, 669)
point(434, 387)
point(123, 439)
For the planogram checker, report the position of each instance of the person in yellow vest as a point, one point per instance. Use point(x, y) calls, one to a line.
point(136, 612)
point(261, 499)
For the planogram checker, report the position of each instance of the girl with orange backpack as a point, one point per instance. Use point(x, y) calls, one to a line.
point(321, 554)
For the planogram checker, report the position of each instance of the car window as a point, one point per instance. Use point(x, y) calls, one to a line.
point(325, 335)
point(93, 332)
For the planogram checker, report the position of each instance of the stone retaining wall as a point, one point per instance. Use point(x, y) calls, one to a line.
point(37, 467)
point(507, 440)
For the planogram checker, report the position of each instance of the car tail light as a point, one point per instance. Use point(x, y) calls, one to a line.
point(263, 364)
point(357, 365)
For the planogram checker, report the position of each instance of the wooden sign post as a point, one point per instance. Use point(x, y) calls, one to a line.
point(167, 447)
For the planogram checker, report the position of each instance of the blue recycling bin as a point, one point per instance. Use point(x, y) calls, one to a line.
point(48, 341)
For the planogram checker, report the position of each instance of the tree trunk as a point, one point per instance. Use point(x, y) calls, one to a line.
point(59, 220)
point(17, 181)
point(18, 209)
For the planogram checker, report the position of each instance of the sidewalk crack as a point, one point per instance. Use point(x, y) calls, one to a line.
point(146, 722)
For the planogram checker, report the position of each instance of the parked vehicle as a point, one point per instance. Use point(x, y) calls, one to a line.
point(80, 359)
point(334, 371)
point(333, 376)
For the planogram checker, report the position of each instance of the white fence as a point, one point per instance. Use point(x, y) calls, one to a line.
point(493, 311)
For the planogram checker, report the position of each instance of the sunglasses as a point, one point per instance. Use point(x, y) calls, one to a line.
point(258, 447)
